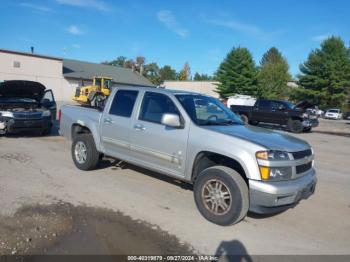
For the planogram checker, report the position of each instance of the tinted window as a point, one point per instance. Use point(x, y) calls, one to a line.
point(123, 103)
point(154, 105)
point(264, 104)
point(276, 105)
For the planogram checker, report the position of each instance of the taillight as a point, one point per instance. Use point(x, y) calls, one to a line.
point(59, 115)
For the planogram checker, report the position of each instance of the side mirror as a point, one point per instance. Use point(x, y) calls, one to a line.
point(172, 120)
point(45, 101)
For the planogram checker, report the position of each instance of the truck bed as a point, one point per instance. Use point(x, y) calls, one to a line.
point(85, 116)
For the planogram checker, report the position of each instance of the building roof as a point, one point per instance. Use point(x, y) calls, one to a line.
point(86, 70)
point(29, 54)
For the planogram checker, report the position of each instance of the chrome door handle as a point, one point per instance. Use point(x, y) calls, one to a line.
point(139, 127)
point(108, 121)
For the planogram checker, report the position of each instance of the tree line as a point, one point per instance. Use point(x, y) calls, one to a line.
point(157, 75)
point(324, 78)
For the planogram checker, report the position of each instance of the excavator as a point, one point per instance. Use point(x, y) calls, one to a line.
point(95, 94)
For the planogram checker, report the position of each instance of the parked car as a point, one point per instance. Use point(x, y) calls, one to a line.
point(284, 113)
point(195, 138)
point(26, 106)
point(333, 114)
point(347, 116)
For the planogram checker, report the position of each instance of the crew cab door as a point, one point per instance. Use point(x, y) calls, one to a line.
point(261, 111)
point(116, 123)
point(279, 113)
point(154, 145)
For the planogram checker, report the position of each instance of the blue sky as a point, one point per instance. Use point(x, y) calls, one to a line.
point(172, 32)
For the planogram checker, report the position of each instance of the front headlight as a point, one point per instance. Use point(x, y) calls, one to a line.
point(272, 155)
point(46, 113)
point(273, 173)
point(6, 114)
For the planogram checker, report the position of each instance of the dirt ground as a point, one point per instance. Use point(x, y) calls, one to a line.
point(47, 206)
point(64, 229)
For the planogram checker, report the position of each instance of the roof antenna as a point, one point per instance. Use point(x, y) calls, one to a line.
point(32, 49)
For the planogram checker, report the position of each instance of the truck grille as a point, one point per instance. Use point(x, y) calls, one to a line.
point(303, 168)
point(27, 115)
point(302, 154)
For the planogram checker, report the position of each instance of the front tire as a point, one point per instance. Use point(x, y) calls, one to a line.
point(295, 126)
point(221, 195)
point(84, 153)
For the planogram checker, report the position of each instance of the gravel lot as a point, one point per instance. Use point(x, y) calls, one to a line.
point(37, 173)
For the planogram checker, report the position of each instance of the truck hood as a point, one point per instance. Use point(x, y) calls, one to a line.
point(269, 139)
point(22, 89)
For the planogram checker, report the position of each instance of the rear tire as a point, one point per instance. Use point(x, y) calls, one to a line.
point(84, 153)
point(295, 126)
point(221, 195)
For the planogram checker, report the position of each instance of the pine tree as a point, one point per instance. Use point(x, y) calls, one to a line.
point(325, 75)
point(273, 75)
point(201, 77)
point(237, 74)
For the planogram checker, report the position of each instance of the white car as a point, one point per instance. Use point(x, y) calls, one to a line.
point(334, 114)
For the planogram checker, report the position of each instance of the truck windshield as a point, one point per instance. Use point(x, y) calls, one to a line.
point(205, 110)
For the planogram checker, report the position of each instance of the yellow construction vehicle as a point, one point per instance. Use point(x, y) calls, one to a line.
point(96, 94)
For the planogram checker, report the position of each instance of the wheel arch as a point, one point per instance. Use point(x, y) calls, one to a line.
point(205, 159)
point(78, 128)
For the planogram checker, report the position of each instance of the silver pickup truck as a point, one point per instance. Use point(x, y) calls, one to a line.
point(192, 137)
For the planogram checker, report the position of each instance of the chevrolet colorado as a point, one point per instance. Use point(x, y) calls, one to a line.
point(192, 137)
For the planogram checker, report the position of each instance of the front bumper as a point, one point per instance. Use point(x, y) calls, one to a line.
point(12, 125)
point(274, 197)
point(331, 117)
point(310, 123)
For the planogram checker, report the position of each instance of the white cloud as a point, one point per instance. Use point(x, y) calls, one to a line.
point(97, 4)
point(40, 8)
point(238, 26)
point(320, 38)
point(75, 30)
point(76, 46)
point(167, 18)
point(248, 29)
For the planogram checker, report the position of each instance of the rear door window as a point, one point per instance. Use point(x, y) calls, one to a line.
point(123, 103)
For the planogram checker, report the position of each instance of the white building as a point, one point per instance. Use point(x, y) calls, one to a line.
point(203, 87)
point(61, 75)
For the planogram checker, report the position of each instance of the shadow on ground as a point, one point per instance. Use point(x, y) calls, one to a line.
point(233, 250)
